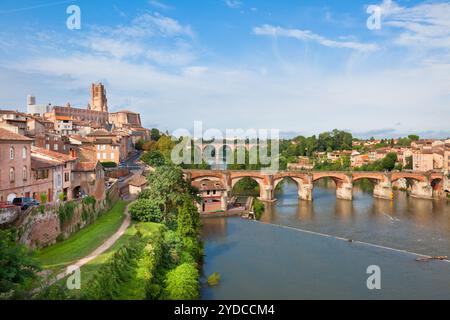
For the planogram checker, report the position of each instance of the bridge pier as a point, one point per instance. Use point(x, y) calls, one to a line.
point(266, 194)
point(422, 190)
point(344, 191)
point(383, 190)
point(305, 191)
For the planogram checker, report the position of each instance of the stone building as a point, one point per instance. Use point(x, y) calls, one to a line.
point(213, 194)
point(125, 119)
point(62, 173)
point(99, 102)
point(15, 166)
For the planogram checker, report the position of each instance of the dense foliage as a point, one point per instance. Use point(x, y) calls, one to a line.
point(246, 187)
point(388, 163)
point(182, 283)
point(153, 158)
point(258, 208)
point(17, 266)
point(146, 210)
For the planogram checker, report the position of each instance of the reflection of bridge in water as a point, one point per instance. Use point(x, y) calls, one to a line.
point(422, 185)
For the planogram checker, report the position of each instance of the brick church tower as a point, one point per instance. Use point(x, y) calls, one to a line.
point(98, 98)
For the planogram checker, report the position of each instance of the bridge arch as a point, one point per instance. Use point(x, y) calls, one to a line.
point(437, 184)
point(338, 178)
point(259, 180)
point(226, 154)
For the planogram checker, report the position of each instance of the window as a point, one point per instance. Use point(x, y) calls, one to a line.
point(42, 174)
point(24, 152)
point(12, 175)
point(66, 177)
point(104, 156)
point(25, 173)
point(11, 153)
point(112, 156)
point(47, 146)
point(55, 147)
point(99, 156)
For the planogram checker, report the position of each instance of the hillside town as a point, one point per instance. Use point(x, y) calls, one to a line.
point(60, 153)
point(55, 153)
point(420, 155)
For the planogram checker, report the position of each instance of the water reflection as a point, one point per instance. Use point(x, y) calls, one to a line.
point(405, 223)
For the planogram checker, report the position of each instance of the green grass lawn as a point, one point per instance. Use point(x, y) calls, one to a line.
point(133, 289)
point(83, 242)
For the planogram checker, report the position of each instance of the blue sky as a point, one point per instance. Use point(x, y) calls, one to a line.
point(298, 66)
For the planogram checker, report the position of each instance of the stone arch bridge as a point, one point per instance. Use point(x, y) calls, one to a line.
point(423, 185)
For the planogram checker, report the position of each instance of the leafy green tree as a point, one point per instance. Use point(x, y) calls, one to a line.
point(258, 208)
point(409, 163)
point(139, 144)
point(413, 137)
point(155, 134)
point(17, 265)
point(182, 283)
point(153, 158)
point(167, 187)
point(146, 210)
point(188, 218)
point(388, 162)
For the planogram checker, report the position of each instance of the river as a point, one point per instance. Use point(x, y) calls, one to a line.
point(299, 249)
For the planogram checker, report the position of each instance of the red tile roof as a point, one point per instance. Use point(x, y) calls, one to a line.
point(53, 154)
point(206, 185)
point(39, 163)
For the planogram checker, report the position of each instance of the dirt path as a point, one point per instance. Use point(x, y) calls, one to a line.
point(105, 246)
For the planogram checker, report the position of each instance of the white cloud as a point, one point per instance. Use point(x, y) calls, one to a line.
point(425, 25)
point(233, 4)
point(306, 35)
point(159, 5)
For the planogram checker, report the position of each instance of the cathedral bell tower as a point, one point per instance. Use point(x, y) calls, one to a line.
point(98, 98)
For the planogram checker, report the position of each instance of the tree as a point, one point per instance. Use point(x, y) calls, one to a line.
point(146, 210)
point(139, 144)
point(409, 163)
point(153, 158)
point(388, 162)
point(413, 137)
point(182, 283)
point(188, 218)
point(155, 134)
point(17, 266)
point(166, 187)
point(165, 146)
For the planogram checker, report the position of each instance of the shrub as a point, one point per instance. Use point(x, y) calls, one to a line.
point(65, 212)
point(188, 219)
point(106, 282)
point(153, 158)
point(258, 208)
point(146, 210)
point(173, 247)
point(44, 198)
point(182, 283)
point(109, 164)
point(214, 279)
